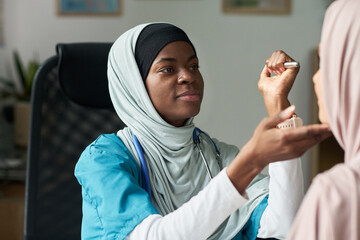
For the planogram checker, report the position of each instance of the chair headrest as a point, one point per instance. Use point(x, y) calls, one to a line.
point(82, 71)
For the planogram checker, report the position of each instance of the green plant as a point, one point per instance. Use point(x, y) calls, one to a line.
point(26, 77)
point(7, 88)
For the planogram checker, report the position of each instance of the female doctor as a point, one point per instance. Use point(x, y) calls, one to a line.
point(163, 178)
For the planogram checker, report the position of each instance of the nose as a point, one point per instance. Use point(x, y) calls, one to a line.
point(185, 77)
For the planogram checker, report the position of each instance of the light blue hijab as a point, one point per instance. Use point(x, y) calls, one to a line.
point(177, 172)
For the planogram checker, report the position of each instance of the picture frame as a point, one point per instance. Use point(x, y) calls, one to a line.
point(257, 6)
point(88, 7)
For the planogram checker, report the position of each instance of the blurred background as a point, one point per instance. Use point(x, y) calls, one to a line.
point(233, 38)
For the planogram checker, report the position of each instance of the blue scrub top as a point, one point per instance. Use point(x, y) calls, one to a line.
point(113, 201)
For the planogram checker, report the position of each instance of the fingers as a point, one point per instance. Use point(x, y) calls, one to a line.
point(290, 74)
point(296, 141)
point(272, 122)
point(275, 62)
point(315, 132)
point(301, 139)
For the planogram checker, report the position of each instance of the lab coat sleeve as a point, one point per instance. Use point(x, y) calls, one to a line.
point(196, 219)
point(286, 191)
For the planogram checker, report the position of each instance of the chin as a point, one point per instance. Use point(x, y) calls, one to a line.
point(195, 112)
point(322, 117)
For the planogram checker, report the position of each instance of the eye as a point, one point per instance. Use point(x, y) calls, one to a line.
point(167, 70)
point(195, 67)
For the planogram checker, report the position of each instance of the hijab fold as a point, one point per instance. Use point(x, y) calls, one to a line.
point(175, 166)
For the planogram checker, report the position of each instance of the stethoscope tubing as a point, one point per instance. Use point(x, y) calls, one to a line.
point(144, 168)
point(204, 160)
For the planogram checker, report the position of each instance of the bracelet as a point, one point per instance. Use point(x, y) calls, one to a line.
point(293, 122)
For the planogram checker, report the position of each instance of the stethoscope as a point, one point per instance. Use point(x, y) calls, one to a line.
point(145, 176)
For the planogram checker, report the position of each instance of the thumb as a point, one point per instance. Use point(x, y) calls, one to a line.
point(265, 72)
point(291, 72)
point(280, 117)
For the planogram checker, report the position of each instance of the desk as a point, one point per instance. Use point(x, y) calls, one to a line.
point(12, 194)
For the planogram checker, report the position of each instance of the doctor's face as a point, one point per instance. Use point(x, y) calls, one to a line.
point(175, 84)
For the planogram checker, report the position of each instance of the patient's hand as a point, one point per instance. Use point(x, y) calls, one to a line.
point(275, 89)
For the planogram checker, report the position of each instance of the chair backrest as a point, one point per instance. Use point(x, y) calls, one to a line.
point(71, 107)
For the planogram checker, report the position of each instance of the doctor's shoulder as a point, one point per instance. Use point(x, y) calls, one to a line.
point(107, 151)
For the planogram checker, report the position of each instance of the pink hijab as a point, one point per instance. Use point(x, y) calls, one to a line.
point(331, 208)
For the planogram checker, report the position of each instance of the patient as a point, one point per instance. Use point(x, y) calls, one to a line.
point(331, 208)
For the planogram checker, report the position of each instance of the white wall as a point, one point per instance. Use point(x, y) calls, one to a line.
point(232, 49)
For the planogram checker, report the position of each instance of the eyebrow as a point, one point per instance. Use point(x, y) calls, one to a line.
point(174, 60)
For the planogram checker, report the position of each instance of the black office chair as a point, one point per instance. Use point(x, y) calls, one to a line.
point(71, 107)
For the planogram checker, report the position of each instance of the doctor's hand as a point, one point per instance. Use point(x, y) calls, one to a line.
point(270, 144)
point(275, 89)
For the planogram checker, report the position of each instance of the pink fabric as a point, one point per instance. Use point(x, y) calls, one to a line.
point(331, 208)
